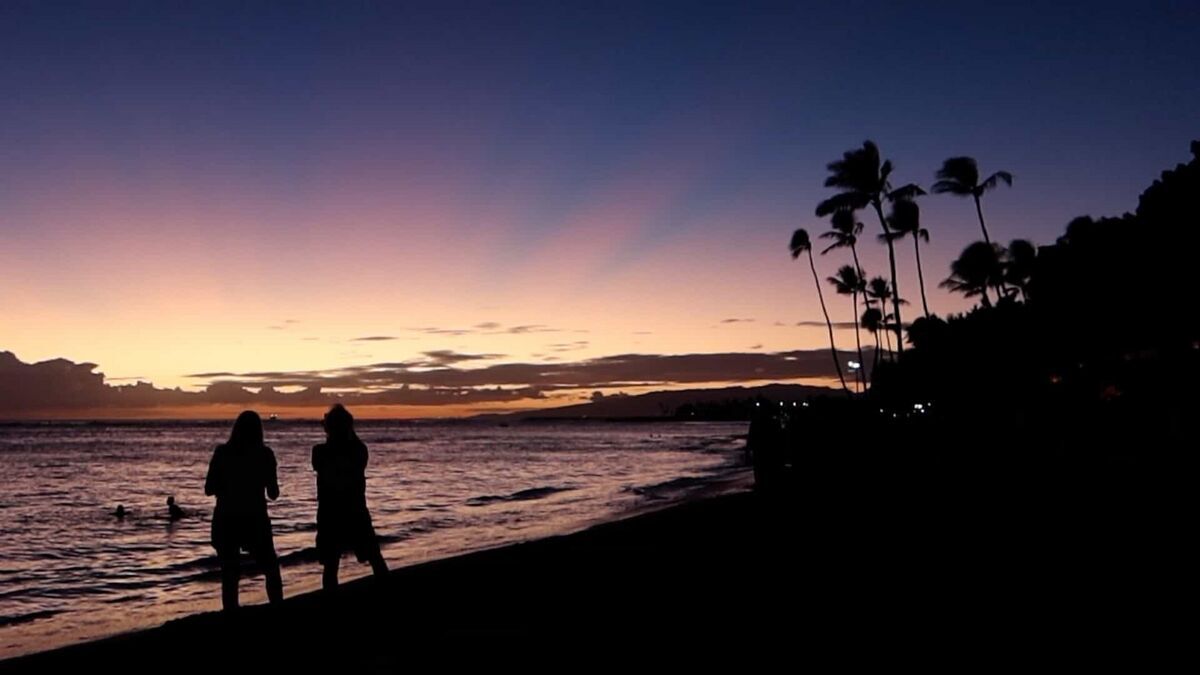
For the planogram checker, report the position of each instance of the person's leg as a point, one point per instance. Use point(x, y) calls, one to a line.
point(264, 555)
point(378, 564)
point(329, 577)
point(230, 573)
point(274, 582)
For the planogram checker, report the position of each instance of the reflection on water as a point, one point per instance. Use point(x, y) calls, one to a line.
point(69, 569)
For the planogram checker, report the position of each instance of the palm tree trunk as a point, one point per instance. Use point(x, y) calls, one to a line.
point(858, 374)
point(859, 270)
point(829, 324)
point(920, 275)
point(979, 209)
point(1001, 290)
point(887, 337)
point(875, 360)
point(892, 263)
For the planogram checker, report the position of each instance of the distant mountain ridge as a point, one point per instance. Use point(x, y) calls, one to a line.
point(714, 404)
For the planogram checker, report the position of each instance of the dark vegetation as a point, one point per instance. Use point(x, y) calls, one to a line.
point(1025, 462)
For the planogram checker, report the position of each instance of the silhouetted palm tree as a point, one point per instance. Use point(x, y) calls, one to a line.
point(960, 176)
point(872, 320)
point(844, 232)
point(863, 181)
point(975, 270)
point(802, 244)
point(848, 282)
point(905, 220)
point(1018, 265)
point(879, 291)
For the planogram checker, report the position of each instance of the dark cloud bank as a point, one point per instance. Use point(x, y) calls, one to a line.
point(59, 386)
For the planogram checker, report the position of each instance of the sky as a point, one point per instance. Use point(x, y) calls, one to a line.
point(201, 192)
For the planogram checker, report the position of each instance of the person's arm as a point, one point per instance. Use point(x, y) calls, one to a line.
point(272, 477)
point(212, 482)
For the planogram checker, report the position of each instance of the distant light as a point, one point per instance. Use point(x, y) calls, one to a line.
point(805, 404)
point(757, 404)
point(918, 406)
point(854, 365)
point(793, 404)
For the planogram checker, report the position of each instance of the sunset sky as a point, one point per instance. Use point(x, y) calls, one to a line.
point(211, 189)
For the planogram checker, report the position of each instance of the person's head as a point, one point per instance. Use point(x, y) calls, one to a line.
point(247, 430)
point(171, 501)
point(339, 424)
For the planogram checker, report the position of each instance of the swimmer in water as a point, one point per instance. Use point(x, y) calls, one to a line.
point(173, 509)
point(120, 512)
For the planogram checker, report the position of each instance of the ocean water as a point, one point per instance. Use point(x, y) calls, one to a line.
point(70, 570)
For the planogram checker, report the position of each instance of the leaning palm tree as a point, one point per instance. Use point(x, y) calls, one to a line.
point(848, 282)
point(905, 220)
point(863, 180)
point(976, 269)
point(872, 320)
point(1018, 265)
point(802, 244)
point(960, 176)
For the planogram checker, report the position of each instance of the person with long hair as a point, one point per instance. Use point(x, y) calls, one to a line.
point(242, 476)
point(343, 521)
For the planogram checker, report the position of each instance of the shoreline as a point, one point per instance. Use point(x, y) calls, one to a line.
point(359, 593)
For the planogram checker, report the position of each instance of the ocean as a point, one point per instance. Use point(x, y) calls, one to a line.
point(70, 570)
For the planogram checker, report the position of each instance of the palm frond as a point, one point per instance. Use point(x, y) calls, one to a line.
point(994, 179)
point(799, 243)
point(961, 170)
point(951, 186)
point(905, 193)
point(843, 201)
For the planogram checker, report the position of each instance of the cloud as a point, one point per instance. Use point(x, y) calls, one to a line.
point(375, 338)
point(737, 320)
point(644, 369)
point(534, 328)
point(492, 328)
point(433, 330)
point(568, 346)
point(821, 324)
point(446, 357)
point(59, 386)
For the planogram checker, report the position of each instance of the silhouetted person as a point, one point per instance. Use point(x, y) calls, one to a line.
point(173, 510)
point(764, 443)
point(242, 476)
point(343, 521)
point(120, 512)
